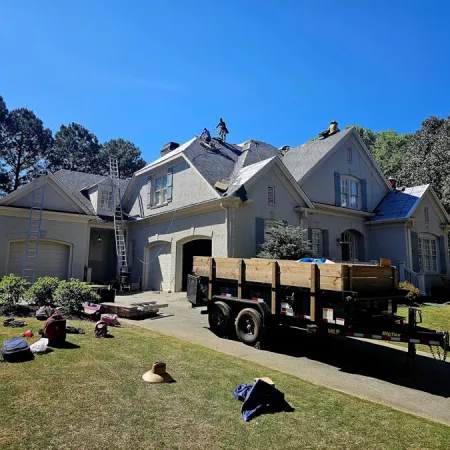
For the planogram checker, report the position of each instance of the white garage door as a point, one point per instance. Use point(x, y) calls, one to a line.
point(159, 259)
point(53, 259)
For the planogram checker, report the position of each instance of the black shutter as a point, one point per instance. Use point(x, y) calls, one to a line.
point(443, 254)
point(415, 251)
point(337, 189)
point(259, 234)
point(325, 245)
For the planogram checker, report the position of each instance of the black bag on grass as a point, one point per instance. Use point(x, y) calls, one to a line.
point(16, 350)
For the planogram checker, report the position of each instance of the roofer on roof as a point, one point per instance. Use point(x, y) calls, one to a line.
point(332, 129)
point(205, 136)
point(222, 129)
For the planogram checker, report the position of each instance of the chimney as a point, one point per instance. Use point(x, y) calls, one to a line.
point(169, 147)
point(393, 182)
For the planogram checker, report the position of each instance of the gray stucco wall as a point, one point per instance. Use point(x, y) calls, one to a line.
point(52, 201)
point(243, 240)
point(388, 242)
point(319, 185)
point(420, 226)
point(188, 188)
point(75, 234)
point(143, 234)
point(336, 225)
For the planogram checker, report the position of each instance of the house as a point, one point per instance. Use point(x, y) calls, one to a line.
point(221, 200)
point(358, 216)
point(77, 229)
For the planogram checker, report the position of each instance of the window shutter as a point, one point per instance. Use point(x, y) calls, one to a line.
point(364, 195)
point(325, 245)
point(443, 254)
point(169, 184)
point(415, 251)
point(149, 192)
point(337, 189)
point(259, 234)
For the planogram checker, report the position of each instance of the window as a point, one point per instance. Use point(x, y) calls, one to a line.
point(160, 190)
point(349, 155)
point(317, 243)
point(427, 249)
point(350, 193)
point(349, 246)
point(426, 214)
point(106, 200)
point(271, 195)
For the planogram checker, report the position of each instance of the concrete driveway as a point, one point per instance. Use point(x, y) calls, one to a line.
point(362, 368)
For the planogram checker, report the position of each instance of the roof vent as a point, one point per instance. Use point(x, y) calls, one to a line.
point(169, 147)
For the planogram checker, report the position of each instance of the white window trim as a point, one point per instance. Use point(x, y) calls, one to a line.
point(162, 191)
point(424, 245)
point(317, 242)
point(349, 180)
point(106, 200)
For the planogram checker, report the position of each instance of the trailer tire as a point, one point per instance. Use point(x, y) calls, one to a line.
point(248, 326)
point(219, 318)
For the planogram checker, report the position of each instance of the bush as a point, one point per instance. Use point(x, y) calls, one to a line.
point(70, 295)
point(413, 294)
point(42, 291)
point(285, 242)
point(12, 290)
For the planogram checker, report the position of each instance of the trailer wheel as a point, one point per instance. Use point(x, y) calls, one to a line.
point(248, 326)
point(219, 318)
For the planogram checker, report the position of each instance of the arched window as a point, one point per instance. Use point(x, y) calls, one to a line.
point(349, 246)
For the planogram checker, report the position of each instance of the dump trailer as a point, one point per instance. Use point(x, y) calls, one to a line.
point(252, 296)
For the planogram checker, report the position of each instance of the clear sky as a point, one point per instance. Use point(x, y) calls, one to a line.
point(277, 71)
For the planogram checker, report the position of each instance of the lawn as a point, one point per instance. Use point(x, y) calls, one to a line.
point(434, 317)
point(92, 396)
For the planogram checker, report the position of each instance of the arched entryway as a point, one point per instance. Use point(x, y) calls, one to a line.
point(352, 246)
point(191, 248)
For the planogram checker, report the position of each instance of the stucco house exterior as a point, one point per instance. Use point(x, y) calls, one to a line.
point(221, 200)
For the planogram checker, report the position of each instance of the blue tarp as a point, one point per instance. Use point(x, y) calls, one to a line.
point(314, 260)
point(258, 396)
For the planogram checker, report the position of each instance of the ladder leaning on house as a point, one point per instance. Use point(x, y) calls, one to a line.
point(34, 225)
point(119, 228)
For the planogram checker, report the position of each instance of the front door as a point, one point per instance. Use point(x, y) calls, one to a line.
point(349, 246)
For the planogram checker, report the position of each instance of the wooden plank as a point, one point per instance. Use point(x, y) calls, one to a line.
point(314, 290)
point(330, 276)
point(241, 278)
point(394, 277)
point(227, 268)
point(211, 277)
point(350, 278)
point(295, 274)
point(275, 277)
point(259, 271)
point(371, 272)
point(201, 266)
point(345, 281)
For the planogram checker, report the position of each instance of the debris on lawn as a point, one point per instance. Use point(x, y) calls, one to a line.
point(40, 346)
point(157, 374)
point(14, 323)
point(260, 397)
point(55, 330)
point(101, 329)
point(110, 319)
point(27, 333)
point(44, 312)
point(16, 350)
point(74, 330)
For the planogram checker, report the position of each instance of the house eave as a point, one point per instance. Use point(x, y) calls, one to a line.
point(17, 211)
point(338, 210)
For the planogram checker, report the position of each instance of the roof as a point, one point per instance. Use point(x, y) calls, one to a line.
point(300, 160)
point(247, 173)
point(399, 204)
point(77, 184)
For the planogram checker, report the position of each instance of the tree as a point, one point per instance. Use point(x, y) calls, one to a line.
point(75, 148)
point(285, 242)
point(127, 154)
point(3, 116)
point(427, 158)
point(25, 144)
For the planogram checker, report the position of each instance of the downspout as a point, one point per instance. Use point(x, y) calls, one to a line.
point(227, 224)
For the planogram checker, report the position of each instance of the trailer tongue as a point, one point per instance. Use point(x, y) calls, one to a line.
point(252, 296)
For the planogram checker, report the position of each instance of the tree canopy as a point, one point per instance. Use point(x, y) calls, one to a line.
point(129, 157)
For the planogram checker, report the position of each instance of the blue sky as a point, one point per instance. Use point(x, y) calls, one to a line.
point(277, 71)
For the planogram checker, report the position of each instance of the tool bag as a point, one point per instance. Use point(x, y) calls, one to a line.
point(55, 330)
point(101, 329)
point(16, 350)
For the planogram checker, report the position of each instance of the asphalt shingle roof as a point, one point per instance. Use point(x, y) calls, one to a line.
point(300, 160)
point(398, 204)
point(77, 182)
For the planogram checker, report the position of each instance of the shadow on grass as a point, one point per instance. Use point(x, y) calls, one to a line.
point(66, 345)
point(364, 358)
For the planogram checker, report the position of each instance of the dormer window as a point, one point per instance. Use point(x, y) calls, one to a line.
point(350, 193)
point(106, 200)
point(160, 190)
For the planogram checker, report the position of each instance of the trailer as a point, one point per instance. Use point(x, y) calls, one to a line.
point(252, 296)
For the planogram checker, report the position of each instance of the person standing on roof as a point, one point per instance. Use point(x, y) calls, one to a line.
point(222, 129)
point(205, 136)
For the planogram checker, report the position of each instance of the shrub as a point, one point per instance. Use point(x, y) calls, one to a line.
point(42, 291)
point(12, 290)
point(413, 294)
point(285, 242)
point(70, 295)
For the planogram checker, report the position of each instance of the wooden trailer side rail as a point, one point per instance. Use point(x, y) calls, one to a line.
point(316, 277)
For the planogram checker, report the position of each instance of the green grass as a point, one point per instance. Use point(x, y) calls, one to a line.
point(434, 317)
point(93, 397)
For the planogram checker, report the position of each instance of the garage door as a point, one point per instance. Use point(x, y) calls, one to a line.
point(53, 259)
point(159, 259)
